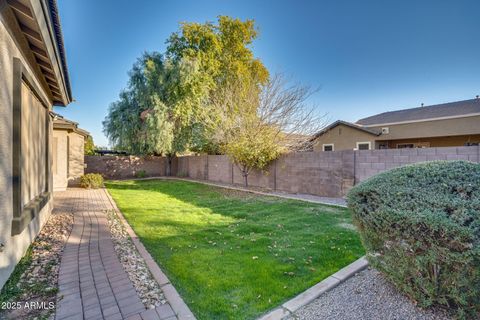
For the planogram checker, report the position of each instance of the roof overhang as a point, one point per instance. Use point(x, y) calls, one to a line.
point(38, 21)
point(60, 123)
point(374, 132)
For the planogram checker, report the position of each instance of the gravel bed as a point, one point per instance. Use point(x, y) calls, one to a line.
point(39, 282)
point(147, 288)
point(366, 295)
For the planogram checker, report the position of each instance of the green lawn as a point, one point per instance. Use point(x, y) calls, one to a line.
point(235, 255)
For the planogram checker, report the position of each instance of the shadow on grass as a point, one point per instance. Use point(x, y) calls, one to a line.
point(232, 254)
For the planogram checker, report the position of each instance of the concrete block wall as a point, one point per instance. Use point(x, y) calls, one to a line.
point(220, 169)
point(315, 173)
point(371, 162)
point(122, 167)
point(328, 174)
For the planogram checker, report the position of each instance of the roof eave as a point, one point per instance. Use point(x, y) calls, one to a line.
point(46, 13)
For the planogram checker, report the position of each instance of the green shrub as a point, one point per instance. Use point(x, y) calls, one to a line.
point(91, 181)
point(420, 225)
point(141, 174)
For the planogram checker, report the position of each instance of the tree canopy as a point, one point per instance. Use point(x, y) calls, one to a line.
point(166, 108)
point(209, 93)
point(89, 146)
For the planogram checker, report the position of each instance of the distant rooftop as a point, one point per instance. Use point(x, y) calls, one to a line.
point(451, 109)
point(60, 122)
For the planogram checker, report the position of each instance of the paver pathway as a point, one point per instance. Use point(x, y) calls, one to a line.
point(92, 282)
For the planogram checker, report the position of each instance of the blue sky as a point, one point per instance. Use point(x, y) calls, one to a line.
point(366, 56)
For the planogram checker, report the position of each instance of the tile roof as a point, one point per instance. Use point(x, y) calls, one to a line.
point(451, 109)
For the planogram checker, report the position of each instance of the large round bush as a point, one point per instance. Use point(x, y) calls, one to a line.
point(420, 225)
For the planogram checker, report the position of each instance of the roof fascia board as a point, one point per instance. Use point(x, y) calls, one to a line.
point(419, 120)
point(42, 15)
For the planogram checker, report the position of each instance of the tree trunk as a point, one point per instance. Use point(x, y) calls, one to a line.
point(245, 172)
point(168, 169)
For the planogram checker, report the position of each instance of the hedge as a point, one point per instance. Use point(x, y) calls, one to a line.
point(91, 181)
point(420, 225)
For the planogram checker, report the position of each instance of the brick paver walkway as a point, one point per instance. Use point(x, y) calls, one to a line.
point(92, 282)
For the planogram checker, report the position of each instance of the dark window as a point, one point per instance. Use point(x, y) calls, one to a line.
point(30, 152)
point(364, 146)
point(328, 147)
point(405, 145)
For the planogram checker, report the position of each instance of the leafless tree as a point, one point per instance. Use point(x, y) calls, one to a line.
point(285, 107)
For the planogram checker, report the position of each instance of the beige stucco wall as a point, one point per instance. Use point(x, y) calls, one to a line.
point(12, 248)
point(59, 157)
point(68, 158)
point(344, 138)
point(76, 158)
point(437, 128)
point(434, 142)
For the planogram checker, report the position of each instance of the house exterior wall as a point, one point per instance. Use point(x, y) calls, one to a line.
point(436, 128)
point(432, 142)
point(436, 133)
point(76, 165)
point(344, 138)
point(12, 248)
point(60, 159)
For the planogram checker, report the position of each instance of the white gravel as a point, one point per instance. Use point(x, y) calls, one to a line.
point(38, 284)
point(147, 288)
point(366, 295)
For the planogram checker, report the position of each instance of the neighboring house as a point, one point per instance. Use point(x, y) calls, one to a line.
point(442, 125)
point(68, 153)
point(33, 78)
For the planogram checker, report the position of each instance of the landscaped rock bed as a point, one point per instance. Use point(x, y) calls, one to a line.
point(147, 288)
point(366, 295)
point(35, 293)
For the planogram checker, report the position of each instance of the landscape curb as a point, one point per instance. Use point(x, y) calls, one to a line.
point(172, 296)
point(238, 189)
point(304, 298)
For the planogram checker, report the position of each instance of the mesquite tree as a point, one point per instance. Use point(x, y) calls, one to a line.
point(256, 129)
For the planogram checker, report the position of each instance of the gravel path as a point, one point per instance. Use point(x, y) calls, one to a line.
point(366, 295)
point(147, 288)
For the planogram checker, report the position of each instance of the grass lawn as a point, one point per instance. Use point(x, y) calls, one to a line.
point(235, 255)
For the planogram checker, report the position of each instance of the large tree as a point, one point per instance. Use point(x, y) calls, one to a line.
point(157, 111)
point(167, 107)
point(224, 57)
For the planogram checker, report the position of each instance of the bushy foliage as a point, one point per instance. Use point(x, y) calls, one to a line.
point(91, 181)
point(420, 225)
point(141, 174)
point(167, 107)
point(89, 147)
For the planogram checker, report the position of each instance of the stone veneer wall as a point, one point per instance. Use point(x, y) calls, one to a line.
point(328, 174)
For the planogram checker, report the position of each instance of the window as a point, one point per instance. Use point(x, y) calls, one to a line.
point(30, 150)
point(328, 147)
point(363, 145)
point(405, 145)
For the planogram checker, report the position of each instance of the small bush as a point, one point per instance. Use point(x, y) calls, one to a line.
point(141, 174)
point(91, 181)
point(420, 225)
